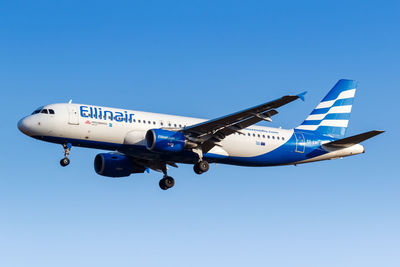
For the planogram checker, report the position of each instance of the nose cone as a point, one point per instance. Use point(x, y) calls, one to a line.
point(25, 125)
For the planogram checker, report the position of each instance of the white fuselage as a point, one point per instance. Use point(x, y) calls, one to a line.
point(93, 124)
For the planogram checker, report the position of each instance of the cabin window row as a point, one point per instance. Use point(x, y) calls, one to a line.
point(169, 124)
point(264, 136)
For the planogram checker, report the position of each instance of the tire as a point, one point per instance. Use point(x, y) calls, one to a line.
point(64, 162)
point(203, 166)
point(196, 169)
point(169, 181)
point(162, 184)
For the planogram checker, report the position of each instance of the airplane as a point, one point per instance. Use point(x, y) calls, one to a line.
point(140, 141)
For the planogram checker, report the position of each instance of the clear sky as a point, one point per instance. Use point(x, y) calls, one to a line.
point(202, 59)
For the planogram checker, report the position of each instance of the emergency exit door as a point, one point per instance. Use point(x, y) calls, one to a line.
point(73, 117)
point(300, 142)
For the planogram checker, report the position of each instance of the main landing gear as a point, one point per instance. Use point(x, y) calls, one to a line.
point(201, 167)
point(67, 148)
point(166, 182)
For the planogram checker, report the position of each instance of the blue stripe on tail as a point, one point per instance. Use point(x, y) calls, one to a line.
point(332, 114)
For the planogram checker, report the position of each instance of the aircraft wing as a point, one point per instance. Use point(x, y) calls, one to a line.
point(210, 132)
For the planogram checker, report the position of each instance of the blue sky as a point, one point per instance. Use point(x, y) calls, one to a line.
point(202, 59)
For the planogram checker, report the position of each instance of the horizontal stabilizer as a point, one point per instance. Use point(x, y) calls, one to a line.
point(352, 140)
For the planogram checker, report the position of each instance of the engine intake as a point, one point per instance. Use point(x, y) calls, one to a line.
point(116, 165)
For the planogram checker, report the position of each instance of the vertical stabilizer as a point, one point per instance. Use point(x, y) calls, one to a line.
point(331, 116)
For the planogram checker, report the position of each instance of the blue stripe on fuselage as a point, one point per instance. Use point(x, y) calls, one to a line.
point(282, 155)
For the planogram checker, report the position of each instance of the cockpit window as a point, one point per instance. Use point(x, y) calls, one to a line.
point(37, 110)
point(51, 111)
point(44, 111)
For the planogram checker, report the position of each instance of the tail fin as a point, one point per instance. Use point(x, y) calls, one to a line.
point(332, 114)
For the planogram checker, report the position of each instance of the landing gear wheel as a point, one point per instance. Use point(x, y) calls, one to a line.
point(64, 162)
point(169, 181)
point(162, 184)
point(166, 182)
point(196, 169)
point(201, 167)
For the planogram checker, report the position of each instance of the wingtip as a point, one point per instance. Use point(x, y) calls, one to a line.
point(302, 95)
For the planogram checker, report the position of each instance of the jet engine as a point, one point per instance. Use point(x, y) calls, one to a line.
point(160, 140)
point(116, 165)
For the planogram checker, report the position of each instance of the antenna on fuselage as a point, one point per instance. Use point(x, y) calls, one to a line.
point(70, 101)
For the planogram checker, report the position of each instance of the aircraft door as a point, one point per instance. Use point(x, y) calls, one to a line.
point(73, 117)
point(300, 143)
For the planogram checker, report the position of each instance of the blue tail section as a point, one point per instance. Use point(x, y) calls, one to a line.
point(331, 116)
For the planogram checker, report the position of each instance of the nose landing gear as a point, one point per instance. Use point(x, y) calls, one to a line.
point(67, 148)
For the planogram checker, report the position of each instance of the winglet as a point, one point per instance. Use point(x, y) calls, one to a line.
point(301, 95)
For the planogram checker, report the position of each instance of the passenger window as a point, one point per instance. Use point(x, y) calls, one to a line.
point(175, 125)
point(154, 122)
point(258, 135)
point(180, 126)
point(268, 136)
point(149, 122)
point(248, 134)
point(161, 123)
point(277, 138)
point(138, 121)
point(51, 111)
point(254, 135)
point(45, 111)
point(273, 137)
point(283, 138)
point(263, 136)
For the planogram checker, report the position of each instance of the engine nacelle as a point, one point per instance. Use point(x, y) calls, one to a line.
point(160, 140)
point(115, 165)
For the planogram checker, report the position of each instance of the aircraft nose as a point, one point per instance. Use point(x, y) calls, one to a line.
point(25, 125)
